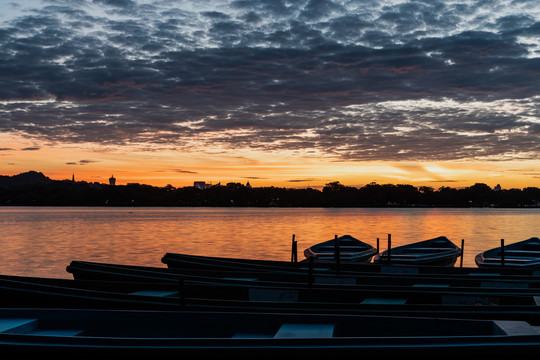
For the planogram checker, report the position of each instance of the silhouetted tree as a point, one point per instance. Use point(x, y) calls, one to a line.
point(44, 191)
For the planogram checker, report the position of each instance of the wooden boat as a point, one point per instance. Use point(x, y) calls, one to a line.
point(522, 254)
point(428, 294)
point(65, 293)
point(75, 333)
point(196, 286)
point(438, 251)
point(344, 248)
point(85, 270)
point(225, 264)
point(22, 291)
point(187, 261)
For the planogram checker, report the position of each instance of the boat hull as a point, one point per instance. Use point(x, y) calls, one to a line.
point(345, 248)
point(438, 251)
point(201, 335)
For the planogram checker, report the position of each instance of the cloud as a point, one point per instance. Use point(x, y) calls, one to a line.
point(115, 3)
point(395, 81)
point(301, 180)
point(444, 181)
point(81, 162)
point(185, 171)
point(31, 148)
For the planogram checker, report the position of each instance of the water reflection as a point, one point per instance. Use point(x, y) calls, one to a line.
point(42, 241)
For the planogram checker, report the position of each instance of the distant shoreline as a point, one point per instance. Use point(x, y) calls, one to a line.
point(35, 189)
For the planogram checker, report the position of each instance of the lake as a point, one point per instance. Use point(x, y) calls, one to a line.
point(42, 241)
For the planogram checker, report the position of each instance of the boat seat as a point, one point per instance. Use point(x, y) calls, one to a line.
point(507, 251)
point(240, 279)
point(520, 253)
point(504, 284)
point(343, 257)
point(305, 331)
point(384, 301)
point(431, 285)
point(155, 293)
point(515, 328)
point(18, 326)
point(331, 256)
point(332, 248)
point(57, 332)
point(319, 269)
point(510, 259)
point(322, 280)
point(425, 250)
point(483, 274)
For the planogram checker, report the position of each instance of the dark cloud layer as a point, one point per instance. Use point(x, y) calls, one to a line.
point(369, 80)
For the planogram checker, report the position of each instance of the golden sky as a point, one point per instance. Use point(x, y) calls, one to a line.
point(280, 169)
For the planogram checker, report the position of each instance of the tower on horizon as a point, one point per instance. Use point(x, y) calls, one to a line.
point(112, 181)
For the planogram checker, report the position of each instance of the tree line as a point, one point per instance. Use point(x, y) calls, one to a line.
point(333, 194)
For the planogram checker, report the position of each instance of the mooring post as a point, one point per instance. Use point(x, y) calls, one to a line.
point(337, 256)
point(294, 250)
point(462, 246)
point(377, 245)
point(502, 252)
point(389, 248)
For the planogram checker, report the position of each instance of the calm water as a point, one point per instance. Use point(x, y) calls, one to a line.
point(43, 241)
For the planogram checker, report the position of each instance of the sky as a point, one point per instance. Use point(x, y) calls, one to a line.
point(294, 93)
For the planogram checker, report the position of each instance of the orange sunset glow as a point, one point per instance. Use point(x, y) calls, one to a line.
point(279, 168)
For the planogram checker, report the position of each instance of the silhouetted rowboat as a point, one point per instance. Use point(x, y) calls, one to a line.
point(388, 276)
point(187, 261)
point(16, 288)
point(522, 254)
point(36, 292)
point(73, 333)
point(345, 248)
point(439, 251)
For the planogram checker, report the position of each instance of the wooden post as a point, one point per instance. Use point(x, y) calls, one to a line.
point(294, 250)
point(337, 256)
point(462, 246)
point(502, 252)
point(377, 245)
point(389, 248)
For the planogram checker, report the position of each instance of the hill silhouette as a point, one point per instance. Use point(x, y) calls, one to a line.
point(27, 178)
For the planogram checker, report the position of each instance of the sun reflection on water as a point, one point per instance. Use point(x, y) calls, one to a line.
point(42, 241)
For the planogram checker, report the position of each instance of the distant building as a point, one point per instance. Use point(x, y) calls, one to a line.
point(112, 181)
point(248, 185)
point(497, 188)
point(73, 177)
point(201, 185)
